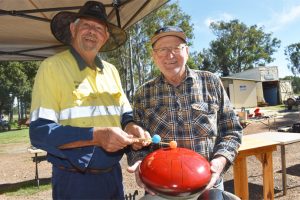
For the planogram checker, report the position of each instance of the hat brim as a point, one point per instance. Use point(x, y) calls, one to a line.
point(180, 35)
point(60, 28)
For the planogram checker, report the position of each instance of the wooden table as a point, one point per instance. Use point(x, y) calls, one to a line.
point(262, 149)
point(283, 138)
point(36, 152)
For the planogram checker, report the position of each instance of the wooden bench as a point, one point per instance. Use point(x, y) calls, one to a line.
point(36, 151)
point(23, 122)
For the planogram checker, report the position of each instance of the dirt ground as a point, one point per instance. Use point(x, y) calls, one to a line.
point(17, 168)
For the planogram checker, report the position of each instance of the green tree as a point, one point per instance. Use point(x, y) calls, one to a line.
point(8, 83)
point(238, 47)
point(16, 81)
point(29, 68)
point(293, 53)
point(295, 83)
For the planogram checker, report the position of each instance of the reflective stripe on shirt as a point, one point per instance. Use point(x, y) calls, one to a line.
point(77, 112)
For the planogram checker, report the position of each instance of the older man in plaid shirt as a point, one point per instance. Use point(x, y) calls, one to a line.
point(188, 106)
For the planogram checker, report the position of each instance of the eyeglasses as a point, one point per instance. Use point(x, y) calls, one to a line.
point(165, 50)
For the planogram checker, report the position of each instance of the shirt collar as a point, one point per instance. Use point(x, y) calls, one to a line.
point(82, 64)
point(190, 76)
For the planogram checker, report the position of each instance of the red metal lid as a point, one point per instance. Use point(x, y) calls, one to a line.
point(175, 172)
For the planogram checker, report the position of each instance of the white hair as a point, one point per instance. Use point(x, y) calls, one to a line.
point(76, 21)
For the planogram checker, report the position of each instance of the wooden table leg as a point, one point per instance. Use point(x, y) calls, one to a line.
point(37, 171)
point(283, 169)
point(241, 178)
point(268, 180)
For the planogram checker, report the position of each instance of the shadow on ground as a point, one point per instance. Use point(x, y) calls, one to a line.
point(292, 170)
point(12, 187)
point(258, 194)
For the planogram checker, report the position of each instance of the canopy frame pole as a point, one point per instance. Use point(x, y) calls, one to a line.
point(21, 52)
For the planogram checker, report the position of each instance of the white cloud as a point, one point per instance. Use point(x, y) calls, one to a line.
point(223, 17)
point(286, 17)
point(290, 15)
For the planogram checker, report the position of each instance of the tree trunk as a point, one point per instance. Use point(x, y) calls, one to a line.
point(131, 70)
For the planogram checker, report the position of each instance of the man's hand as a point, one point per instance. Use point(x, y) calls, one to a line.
point(135, 169)
point(216, 167)
point(111, 139)
point(138, 132)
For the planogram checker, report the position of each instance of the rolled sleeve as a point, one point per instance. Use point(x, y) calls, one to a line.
point(230, 132)
point(126, 118)
point(48, 135)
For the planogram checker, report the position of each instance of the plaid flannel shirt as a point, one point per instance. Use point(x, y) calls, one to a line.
point(197, 114)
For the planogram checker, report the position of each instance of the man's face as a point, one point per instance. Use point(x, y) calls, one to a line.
point(88, 34)
point(170, 54)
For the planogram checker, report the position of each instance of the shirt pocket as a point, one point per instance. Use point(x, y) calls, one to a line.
point(204, 118)
point(156, 120)
point(82, 93)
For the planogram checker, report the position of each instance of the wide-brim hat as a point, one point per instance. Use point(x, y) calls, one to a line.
point(168, 31)
point(60, 25)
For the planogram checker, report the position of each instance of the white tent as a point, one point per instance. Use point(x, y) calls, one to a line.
point(25, 24)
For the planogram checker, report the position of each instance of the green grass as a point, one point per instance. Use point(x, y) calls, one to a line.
point(272, 108)
point(14, 136)
point(27, 189)
point(275, 108)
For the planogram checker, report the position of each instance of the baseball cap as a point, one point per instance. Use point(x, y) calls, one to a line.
point(168, 31)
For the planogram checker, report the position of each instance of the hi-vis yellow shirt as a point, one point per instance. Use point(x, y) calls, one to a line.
point(68, 95)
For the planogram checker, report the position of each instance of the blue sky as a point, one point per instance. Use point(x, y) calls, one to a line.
point(279, 17)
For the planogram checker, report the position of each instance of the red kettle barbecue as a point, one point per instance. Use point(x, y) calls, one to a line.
point(177, 172)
